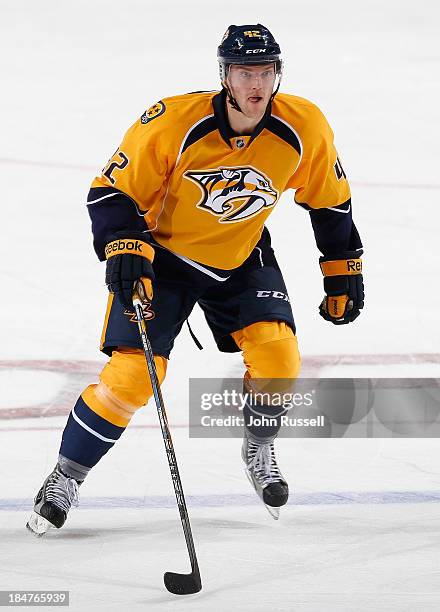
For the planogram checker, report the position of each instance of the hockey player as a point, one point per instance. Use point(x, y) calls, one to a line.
point(182, 205)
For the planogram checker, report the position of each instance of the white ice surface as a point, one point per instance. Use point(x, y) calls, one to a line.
point(362, 530)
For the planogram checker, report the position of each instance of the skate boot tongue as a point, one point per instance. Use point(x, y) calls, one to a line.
point(73, 492)
point(263, 462)
point(62, 491)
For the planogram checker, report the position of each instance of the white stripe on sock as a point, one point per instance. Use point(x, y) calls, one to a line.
point(89, 429)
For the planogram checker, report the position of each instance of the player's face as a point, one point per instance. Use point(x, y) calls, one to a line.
point(252, 87)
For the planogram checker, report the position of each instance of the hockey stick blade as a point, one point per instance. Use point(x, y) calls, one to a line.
point(182, 584)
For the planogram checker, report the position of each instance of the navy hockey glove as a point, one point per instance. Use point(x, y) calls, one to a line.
point(129, 258)
point(344, 287)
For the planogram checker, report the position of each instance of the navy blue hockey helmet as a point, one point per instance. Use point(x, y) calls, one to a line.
point(248, 44)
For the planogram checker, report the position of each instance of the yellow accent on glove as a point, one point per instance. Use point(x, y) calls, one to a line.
point(130, 246)
point(341, 267)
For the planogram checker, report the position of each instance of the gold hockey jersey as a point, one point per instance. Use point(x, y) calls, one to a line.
point(205, 193)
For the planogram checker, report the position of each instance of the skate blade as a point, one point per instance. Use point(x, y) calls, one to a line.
point(38, 525)
point(274, 512)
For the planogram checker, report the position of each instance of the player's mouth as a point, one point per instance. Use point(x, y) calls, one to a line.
point(255, 99)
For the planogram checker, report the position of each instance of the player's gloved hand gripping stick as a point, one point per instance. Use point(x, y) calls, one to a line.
point(344, 287)
point(180, 584)
point(129, 258)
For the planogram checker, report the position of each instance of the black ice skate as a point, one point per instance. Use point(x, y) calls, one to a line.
point(264, 474)
point(52, 502)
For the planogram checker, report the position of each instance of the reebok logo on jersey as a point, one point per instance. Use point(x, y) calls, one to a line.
point(234, 194)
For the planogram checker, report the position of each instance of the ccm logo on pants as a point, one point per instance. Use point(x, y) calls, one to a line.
point(276, 294)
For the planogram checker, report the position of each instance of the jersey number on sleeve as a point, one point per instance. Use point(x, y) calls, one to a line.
point(114, 164)
point(339, 170)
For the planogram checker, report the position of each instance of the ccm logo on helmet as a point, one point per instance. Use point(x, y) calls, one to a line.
point(256, 51)
point(123, 245)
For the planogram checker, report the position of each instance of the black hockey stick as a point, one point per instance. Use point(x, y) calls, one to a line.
point(180, 584)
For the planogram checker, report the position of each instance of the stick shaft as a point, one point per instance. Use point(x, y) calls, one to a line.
point(166, 434)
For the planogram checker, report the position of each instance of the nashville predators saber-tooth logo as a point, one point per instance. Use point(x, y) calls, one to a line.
point(234, 194)
point(147, 311)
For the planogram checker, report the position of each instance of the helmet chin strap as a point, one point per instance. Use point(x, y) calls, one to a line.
point(276, 89)
point(232, 101)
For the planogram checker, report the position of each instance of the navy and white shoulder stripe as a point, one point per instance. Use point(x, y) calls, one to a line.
point(196, 132)
point(286, 132)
